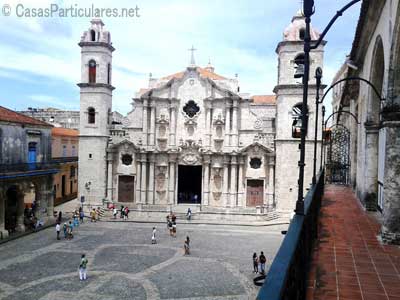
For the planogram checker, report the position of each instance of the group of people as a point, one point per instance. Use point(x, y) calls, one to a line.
point(259, 260)
point(95, 215)
point(124, 212)
point(68, 227)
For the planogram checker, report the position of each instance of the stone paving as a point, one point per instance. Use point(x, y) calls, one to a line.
point(349, 261)
point(123, 264)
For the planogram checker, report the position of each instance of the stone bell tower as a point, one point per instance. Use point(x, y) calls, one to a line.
point(95, 111)
point(289, 97)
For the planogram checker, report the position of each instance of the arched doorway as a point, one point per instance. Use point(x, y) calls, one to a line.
point(374, 168)
point(338, 156)
point(11, 208)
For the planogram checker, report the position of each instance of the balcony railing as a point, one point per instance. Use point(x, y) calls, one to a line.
point(287, 277)
point(64, 159)
point(27, 167)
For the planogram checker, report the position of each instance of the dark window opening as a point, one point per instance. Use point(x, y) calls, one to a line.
point(255, 163)
point(90, 155)
point(109, 73)
point(92, 35)
point(299, 60)
point(72, 172)
point(191, 109)
point(92, 71)
point(302, 33)
point(126, 159)
point(91, 115)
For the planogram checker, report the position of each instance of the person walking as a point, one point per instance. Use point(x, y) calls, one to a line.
point(263, 260)
point(153, 236)
point(170, 227)
point(93, 215)
point(173, 228)
point(81, 214)
point(82, 268)
point(58, 228)
point(122, 212)
point(65, 229)
point(255, 263)
point(189, 214)
point(115, 212)
point(186, 246)
point(70, 229)
point(126, 213)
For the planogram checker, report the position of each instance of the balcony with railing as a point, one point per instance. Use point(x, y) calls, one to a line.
point(8, 171)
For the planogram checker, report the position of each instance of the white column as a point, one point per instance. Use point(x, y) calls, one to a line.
point(225, 187)
point(110, 176)
point(150, 193)
point(227, 125)
point(145, 121)
point(271, 182)
point(138, 176)
point(235, 132)
point(233, 186)
point(241, 182)
point(208, 124)
point(172, 129)
point(152, 124)
point(143, 186)
point(171, 181)
point(206, 180)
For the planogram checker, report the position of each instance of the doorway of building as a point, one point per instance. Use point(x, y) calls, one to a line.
point(11, 207)
point(62, 185)
point(189, 184)
point(255, 191)
point(126, 188)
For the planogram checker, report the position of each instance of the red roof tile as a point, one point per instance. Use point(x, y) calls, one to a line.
point(59, 131)
point(8, 115)
point(264, 99)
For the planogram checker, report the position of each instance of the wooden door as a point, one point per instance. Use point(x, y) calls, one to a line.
point(126, 188)
point(255, 191)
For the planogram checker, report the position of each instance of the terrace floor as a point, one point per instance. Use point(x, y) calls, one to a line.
point(349, 261)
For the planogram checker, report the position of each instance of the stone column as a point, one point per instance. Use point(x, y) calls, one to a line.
point(235, 132)
point(171, 180)
point(143, 181)
point(110, 176)
point(206, 180)
point(241, 182)
point(391, 205)
point(225, 186)
point(233, 185)
point(138, 181)
point(370, 196)
point(271, 181)
point(227, 125)
point(20, 227)
point(150, 193)
point(208, 123)
point(152, 124)
point(145, 121)
point(172, 128)
point(3, 199)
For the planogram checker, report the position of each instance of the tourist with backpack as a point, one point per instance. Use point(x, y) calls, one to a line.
point(262, 260)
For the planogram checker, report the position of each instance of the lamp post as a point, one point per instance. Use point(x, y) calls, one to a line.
point(318, 77)
point(323, 136)
point(308, 11)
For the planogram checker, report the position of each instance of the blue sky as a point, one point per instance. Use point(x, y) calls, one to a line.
point(40, 58)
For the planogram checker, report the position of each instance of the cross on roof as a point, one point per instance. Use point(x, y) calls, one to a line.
point(192, 62)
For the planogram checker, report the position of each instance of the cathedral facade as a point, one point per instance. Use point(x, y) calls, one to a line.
point(193, 137)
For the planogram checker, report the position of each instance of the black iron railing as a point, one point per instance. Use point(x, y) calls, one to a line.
point(287, 277)
point(26, 167)
point(64, 159)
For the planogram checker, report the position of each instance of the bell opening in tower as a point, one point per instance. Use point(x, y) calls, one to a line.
point(189, 184)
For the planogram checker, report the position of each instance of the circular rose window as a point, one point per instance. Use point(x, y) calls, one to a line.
point(255, 163)
point(126, 159)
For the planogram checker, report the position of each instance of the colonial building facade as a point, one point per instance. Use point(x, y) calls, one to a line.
point(192, 137)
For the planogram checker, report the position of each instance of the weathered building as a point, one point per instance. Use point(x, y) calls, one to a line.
point(26, 174)
point(375, 139)
point(55, 116)
point(64, 151)
point(192, 137)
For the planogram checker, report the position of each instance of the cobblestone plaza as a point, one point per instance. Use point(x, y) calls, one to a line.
point(123, 264)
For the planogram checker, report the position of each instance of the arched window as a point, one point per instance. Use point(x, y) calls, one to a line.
point(109, 73)
point(302, 33)
point(299, 59)
point(92, 35)
point(92, 71)
point(91, 115)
